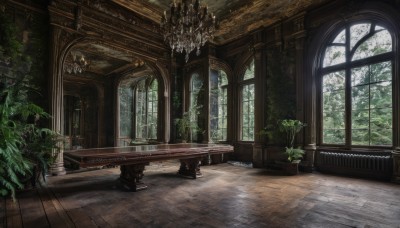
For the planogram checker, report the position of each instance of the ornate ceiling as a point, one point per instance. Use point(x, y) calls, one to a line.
point(235, 17)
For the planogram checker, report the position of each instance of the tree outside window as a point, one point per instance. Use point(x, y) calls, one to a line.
point(139, 109)
point(218, 105)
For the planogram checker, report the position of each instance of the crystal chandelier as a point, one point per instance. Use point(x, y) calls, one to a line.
point(188, 26)
point(78, 64)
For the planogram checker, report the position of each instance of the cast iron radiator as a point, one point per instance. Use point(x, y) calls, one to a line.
point(375, 165)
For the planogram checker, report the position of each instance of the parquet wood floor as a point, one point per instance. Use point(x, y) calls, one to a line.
point(226, 196)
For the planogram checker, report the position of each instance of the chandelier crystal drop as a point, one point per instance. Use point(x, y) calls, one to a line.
point(187, 26)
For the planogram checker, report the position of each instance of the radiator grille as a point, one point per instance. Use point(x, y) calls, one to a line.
point(379, 166)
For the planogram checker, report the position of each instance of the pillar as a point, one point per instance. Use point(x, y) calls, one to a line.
point(260, 94)
point(56, 97)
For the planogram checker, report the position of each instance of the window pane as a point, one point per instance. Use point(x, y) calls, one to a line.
point(381, 72)
point(334, 136)
point(379, 43)
point(334, 81)
point(381, 127)
point(360, 76)
point(333, 101)
point(152, 114)
point(249, 72)
point(357, 32)
point(360, 97)
point(218, 105)
point(196, 93)
point(341, 38)
point(334, 55)
point(360, 119)
point(247, 118)
point(125, 111)
point(360, 137)
point(372, 105)
point(381, 95)
point(141, 109)
point(222, 78)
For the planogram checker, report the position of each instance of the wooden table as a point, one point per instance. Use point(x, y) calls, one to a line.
point(132, 160)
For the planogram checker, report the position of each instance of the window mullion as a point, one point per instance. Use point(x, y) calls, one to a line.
point(348, 104)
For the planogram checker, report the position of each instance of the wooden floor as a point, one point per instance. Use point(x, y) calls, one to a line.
point(226, 196)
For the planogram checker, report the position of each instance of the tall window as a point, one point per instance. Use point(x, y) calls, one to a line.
point(196, 93)
point(139, 109)
point(247, 104)
point(126, 114)
point(356, 85)
point(218, 105)
point(152, 110)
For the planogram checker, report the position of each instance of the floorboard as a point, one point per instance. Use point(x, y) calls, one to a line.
point(2, 212)
point(13, 214)
point(226, 196)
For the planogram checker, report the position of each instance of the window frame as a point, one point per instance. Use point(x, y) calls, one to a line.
point(347, 66)
point(241, 84)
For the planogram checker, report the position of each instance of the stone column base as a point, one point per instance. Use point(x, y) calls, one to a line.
point(307, 165)
point(57, 169)
point(258, 156)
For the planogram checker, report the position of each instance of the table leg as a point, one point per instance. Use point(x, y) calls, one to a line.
point(190, 168)
point(131, 176)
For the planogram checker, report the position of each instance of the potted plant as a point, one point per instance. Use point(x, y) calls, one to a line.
point(26, 149)
point(187, 125)
point(291, 128)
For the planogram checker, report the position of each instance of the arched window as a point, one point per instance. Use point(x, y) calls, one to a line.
point(218, 105)
point(247, 104)
point(356, 87)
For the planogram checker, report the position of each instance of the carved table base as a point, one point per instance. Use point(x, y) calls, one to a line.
point(190, 168)
point(131, 176)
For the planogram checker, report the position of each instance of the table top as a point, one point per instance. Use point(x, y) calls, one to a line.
point(143, 153)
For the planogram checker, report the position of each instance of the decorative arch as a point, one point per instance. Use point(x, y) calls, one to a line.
point(75, 22)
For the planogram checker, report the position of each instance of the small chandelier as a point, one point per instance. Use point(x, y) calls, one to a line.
point(78, 65)
point(188, 26)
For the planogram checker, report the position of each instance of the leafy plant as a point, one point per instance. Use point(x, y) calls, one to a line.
point(25, 147)
point(294, 154)
point(291, 128)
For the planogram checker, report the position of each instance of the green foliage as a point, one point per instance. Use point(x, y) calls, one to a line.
point(187, 125)
point(24, 146)
point(294, 154)
point(291, 128)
